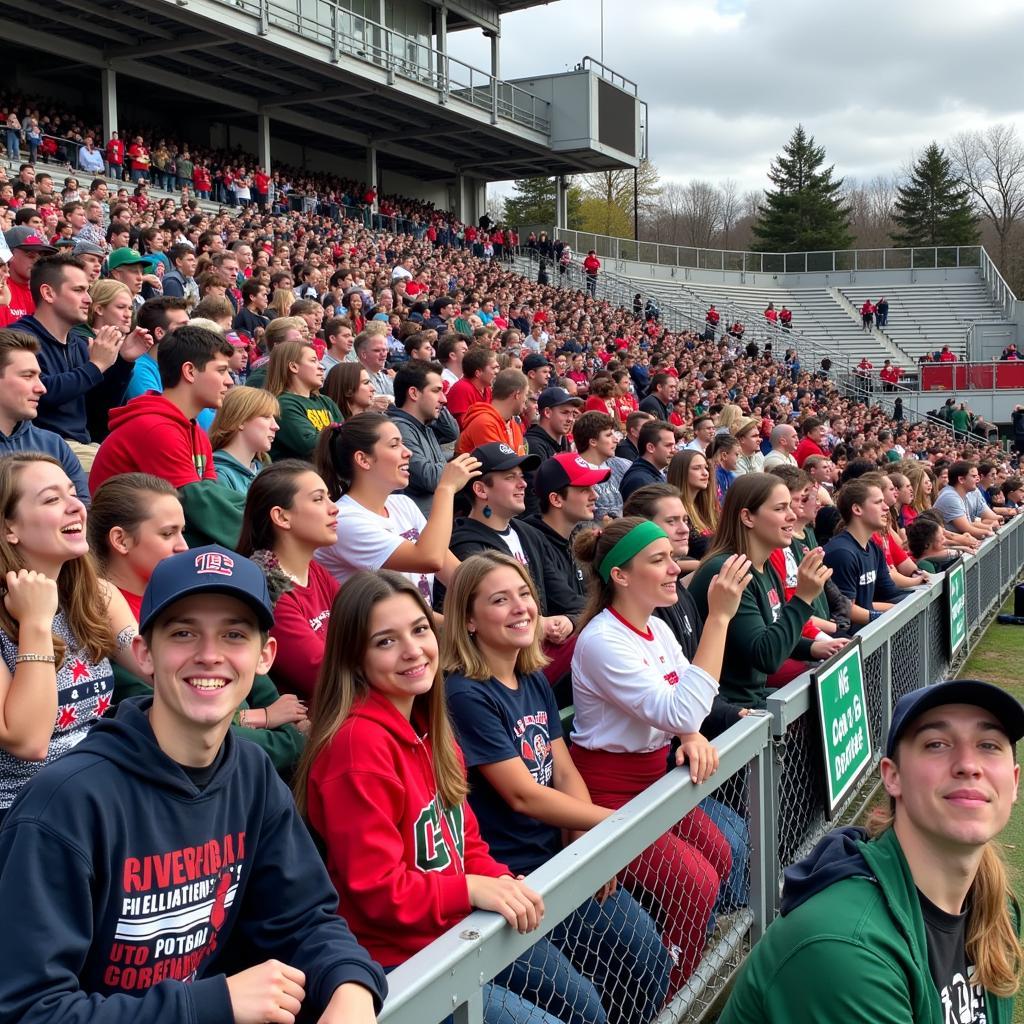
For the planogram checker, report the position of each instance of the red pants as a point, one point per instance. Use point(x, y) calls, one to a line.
point(682, 870)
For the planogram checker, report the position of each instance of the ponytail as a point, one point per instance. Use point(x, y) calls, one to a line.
point(338, 445)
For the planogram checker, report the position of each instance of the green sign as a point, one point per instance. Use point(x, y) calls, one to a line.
point(843, 713)
point(956, 599)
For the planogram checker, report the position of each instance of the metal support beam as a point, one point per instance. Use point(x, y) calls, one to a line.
point(371, 170)
point(442, 49)
point(460, 195)
point(108, 103)
point(104, 11)
point(561, 201)
point(44, 12)
point(315, 96)
point(196, 41)
point(263, 141)
point(495, 54)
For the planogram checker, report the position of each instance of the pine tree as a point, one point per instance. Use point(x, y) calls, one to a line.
point(934, 206)
point(532, 205)
point(805, 210)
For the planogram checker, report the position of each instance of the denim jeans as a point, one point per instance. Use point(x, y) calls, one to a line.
point(13, 144)
point(617, 945)
point(735, 891)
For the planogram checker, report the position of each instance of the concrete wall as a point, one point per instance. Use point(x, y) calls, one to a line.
point(994, 406)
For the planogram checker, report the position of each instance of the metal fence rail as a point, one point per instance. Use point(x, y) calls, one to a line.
point(771, 779)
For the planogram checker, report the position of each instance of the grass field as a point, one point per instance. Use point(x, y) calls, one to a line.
point(999, 658)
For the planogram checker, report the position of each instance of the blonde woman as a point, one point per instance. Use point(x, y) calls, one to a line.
point(690, 472)
point(111, 307)
point(280, 303)
point(295, 376)
point(242, 434)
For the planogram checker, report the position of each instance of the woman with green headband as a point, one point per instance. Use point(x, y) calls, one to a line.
point(634, 690)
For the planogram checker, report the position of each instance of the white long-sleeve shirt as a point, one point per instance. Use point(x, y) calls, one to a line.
point(633, 692)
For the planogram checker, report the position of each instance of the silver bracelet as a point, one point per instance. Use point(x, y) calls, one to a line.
point(48, 659)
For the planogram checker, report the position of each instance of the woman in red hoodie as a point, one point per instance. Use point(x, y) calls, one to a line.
point(383, 783)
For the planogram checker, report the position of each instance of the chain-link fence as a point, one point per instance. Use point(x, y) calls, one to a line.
point(699, 868)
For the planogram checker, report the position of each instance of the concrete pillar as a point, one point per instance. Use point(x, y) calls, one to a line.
point(561, 202)
point(371, 170)
point(496, 55)
point(460, 197)
point(263, 140)
point(108, 100)
point(442, 49)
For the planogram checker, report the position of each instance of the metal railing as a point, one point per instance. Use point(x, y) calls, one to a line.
point(400, 56)
point(992, 374)
point(771, 770)
point(998, 289)
point(827, 261)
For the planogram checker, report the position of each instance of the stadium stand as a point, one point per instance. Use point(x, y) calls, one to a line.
point(427, 268)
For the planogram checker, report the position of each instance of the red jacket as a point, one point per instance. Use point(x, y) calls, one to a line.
point(396, 855)
point(152, 435)
point(201, 178)
point(591, 264)
point(805, 449)
point(778, 561)
point(482, 424)
point(262, 182)
point(891, 375)
point(139, 157)
point(115, 151)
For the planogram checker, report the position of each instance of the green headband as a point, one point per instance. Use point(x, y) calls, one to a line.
point(626, 547)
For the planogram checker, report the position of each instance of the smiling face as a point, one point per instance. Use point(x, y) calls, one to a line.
point(772, 523)
point(47, 523)
point(401, 657)
point(953, 779)
point(670, 515)
point(203, 653)
point(503, 614)
point(390, 458)
point(650, 576)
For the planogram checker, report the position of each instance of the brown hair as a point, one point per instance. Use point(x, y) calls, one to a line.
point(240, 405)
point(341, 685)
point(122, 500)
point(459, 652)
point(701, 506)
point(79, 591)
point(589, 549)
point(749, 491)
point(340, 385)
point(279, 366)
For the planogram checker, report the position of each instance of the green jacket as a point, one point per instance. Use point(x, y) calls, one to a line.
point(301, 421)
point(232, 474)
point(283, 745)
point(849, 948)
point(213, 513)
point(755, 645)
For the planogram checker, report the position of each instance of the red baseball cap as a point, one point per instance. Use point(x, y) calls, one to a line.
point(567, 470)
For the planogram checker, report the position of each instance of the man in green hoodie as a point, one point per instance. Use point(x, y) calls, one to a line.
point(916, 925)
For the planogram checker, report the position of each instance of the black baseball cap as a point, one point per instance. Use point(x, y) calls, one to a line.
point(1006, 710)
point(207, 570)
point(438, 304)
point(534, 361)
point(498, 456)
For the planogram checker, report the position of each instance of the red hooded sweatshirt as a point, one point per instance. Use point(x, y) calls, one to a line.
point(150, 434)
point(397, 857)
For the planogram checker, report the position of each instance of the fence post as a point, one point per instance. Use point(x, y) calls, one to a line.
point(471, 1011)
point(763, 844)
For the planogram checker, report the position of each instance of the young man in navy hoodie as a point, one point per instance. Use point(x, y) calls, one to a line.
point(160, 871)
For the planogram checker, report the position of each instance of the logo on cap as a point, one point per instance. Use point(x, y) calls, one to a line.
point(214, 562)
point(582, 462)
point(505, 450)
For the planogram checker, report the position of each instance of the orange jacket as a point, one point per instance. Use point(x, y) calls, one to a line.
point(482, 424)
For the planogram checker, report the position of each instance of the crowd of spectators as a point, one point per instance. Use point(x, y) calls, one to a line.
point(409, 471)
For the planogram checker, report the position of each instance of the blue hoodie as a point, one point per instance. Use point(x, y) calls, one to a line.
point(27, 437)
point(128, 894)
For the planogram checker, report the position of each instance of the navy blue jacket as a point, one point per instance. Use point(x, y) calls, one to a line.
point(640, 474)
point(860, 574)
point(128, 894)
point(69, 377)
point(27, 437)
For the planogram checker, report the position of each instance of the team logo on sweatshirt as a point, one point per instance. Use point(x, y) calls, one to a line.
point(173, 908)
point(437, 836)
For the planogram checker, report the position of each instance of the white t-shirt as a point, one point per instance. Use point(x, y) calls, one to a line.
point(448, 378)
point(366, 540)
point(634, 692)
point(511, 540)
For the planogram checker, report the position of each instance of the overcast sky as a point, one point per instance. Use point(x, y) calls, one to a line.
point(726, 82)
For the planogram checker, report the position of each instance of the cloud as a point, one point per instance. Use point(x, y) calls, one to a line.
point(727, 80)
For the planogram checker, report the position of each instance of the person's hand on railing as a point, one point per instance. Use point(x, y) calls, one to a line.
point(511, 897)
point(697, 751)
point(822, 649)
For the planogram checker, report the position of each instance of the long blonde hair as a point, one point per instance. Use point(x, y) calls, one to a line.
point(992, 942)
point(79, 592)
point(459, 652)
point(341, 685)
point(921, 502)
point(240, 405)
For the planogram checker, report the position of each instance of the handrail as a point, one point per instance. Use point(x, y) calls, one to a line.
point(605, 72)
point(1000, 291)
point(825, 261)
point(329, 23)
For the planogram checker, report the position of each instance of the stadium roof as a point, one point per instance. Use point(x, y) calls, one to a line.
point(192, 47)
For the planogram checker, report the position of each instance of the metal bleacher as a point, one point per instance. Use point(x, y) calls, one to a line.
point(924, 317)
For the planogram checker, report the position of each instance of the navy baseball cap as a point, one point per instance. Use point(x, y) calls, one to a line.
point(497, 456)
point(1006, 710)
point(534, 361)
point(208, 570)
point(551, 397)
